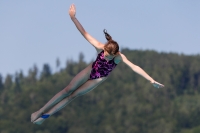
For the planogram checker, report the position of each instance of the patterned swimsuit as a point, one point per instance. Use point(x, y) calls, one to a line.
point(101, 67)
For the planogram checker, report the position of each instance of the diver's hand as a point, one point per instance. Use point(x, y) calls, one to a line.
point(157, 85)
point(72, 11)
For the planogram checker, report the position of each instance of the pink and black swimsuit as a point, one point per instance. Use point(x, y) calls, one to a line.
point(101, 67)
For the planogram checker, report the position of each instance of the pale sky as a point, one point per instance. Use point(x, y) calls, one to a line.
point(40, 31)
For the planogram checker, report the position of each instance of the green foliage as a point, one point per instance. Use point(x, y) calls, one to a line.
point(1, 83)
point(126, 102)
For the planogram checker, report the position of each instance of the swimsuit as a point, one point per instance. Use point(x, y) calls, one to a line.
point(101, 67)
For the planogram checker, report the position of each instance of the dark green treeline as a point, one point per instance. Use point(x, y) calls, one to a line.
point(125, 103)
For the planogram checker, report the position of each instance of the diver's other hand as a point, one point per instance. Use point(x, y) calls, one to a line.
point(72, 11)
point(157, 85)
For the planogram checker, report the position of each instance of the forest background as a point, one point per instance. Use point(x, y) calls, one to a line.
point(126, 102)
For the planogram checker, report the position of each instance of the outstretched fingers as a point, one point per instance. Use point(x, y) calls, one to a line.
point(157, 85)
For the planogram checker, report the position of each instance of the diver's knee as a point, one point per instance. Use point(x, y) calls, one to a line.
point(67, 90)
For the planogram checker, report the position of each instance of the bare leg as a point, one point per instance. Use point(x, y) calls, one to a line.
point(76, 82)
point(85, 88)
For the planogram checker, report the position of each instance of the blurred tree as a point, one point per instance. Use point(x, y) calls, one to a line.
point(46, 72)
point(17, 87)
point(70, 67)
point(8, 82)
point(81, 64)
point(81, 57)
point(32, 75)
point(57, 64)
point(1, 83)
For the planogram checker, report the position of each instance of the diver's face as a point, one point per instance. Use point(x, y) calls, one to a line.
point(108, 56)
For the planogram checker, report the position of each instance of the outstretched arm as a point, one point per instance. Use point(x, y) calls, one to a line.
point(140, 71)
point(88, 37)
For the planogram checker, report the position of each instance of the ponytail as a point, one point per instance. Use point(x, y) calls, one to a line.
point(107, 36)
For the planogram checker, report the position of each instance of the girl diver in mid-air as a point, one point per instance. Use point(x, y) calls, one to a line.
point(93, 75)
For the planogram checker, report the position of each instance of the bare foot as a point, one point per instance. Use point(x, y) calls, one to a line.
point(39, 121)
point(35, 116)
